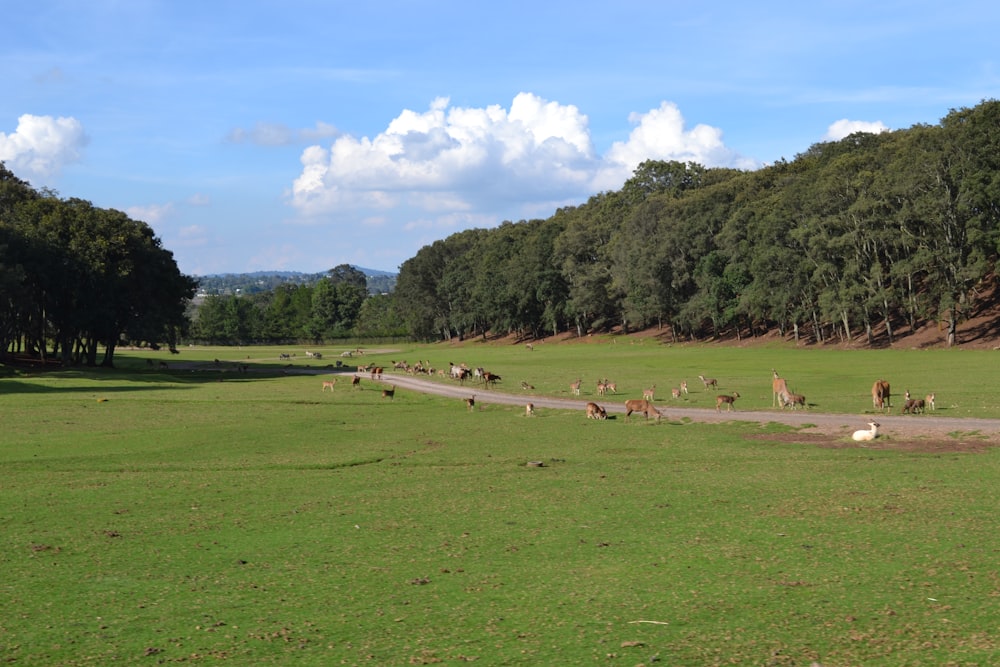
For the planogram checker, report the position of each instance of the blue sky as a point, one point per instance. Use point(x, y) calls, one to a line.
point(304, 134)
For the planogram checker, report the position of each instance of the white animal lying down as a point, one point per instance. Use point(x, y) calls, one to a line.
point(863, 436)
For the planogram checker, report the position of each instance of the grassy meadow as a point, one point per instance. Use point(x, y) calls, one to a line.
point(197, 514)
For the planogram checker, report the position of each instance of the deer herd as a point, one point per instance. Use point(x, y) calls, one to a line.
point(781, 395)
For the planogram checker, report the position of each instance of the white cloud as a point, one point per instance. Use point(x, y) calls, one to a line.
point(151, 214)
point(844, 128)
point(455, 166)
point(41, 146)
point(277, 134)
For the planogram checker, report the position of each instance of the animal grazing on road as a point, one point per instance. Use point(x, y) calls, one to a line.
point(643, 406)
point(727, 400)
point(865, 436)
point(594, 411)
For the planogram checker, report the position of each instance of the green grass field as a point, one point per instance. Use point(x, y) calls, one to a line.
point(156, 516)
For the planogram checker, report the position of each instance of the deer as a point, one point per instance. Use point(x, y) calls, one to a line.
point(929, 400)
point(708, 382)
point(675, 392)
point(594, 411)
point(329, 384)
point(611, 386)
point(529, 410)
point(643, 406)
point(789, 399)
point(881, 395)
point(602, 388)
point(526, 386)
point(356, 381)
point(471, 402)
point(389, 393)
point(727, 400)
point(778, 388)
point(648, 393)
point(575, 387)
point(684, 387)
point(866, 435)
point(913, 405)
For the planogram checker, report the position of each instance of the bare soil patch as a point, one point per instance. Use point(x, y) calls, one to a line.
point(904, 443)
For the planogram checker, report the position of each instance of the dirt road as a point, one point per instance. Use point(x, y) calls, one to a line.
point(947, 432)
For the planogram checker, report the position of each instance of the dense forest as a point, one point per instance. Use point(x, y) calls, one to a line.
point(853, 238)
point(76, 281)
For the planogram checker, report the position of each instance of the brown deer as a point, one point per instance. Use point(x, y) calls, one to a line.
point(778, 387)
point(648, 393)
point(643, 406)
point(727, 400)
point(356, 381)
point(471, 402)
point(328, 384)
point(594, 411)
point(389, 393)
point(709, 382)
point(881, 395)
point(575, 387)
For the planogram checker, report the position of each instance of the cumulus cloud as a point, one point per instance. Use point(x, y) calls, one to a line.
point(844, 128)
point(42, 145)
point(451, 166)
point(151, 214)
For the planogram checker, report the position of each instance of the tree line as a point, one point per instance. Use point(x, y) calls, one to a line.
point(77, 281)
point(857, 237)
point(336, 306)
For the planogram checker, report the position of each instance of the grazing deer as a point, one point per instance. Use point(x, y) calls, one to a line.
point(471, 402)
point(881, 395)
point(728, 400)
point(575, 387)
point(529, 410)
point(328, 384)
point(648, 393)
point(594, 411)
point(914, 405)
point(865, 436)
point(709, 382)
point(778, 388)
point(389, 393)
point(356, 381)
point(792, 400)
point(643, 406)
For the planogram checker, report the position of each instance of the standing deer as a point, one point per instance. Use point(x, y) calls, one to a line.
point(778, 388)
point(356, 381)
point(727, 400)
point(328, 384)
point(881, 395)
point(929, 400)
point(529, 409)
point(684, 387)
point(648, 393)
point(708, 382)
point(575, 387)
point(389, 393)
point(471, 402)
point(643, 406)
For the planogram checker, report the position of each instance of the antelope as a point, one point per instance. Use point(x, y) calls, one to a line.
point(881, 395)
point(648, 393)
point(389, 393)
point(356, 381)
point(778, 388)
point(328, 384)
point(594, 411)
point(708, 382)
point(529, 409)
point(643, 406)
point(728, 400)
point(929, 400)
point(575, 387)
point(865, 436)
point(471, 402)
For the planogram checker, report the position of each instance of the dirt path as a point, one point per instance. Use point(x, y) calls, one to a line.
point(935, 433)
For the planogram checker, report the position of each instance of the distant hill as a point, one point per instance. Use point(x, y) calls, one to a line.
point(379, 282)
